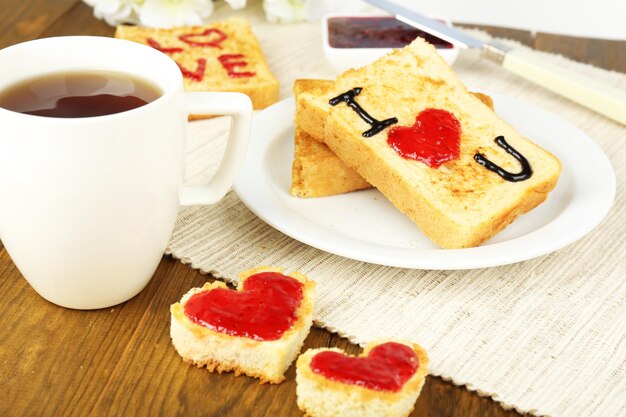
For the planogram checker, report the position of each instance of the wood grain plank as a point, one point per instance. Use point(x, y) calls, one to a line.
point(78, 20)
point(523, 36)
point(55, 360)
point(609, 54)
point(23, 20)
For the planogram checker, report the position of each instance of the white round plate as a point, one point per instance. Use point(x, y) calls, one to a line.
point(365, 226)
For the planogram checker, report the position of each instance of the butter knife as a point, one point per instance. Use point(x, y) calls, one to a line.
point(591, 93)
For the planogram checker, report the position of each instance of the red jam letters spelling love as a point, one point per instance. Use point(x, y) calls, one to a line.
point(264, 310)
point(387, 367)
point(212, 38)
point(209, 38)
point(230, 62)
point(156, 45)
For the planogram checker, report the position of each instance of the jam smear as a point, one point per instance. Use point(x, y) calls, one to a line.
point(196, 75)
point(376, 32)
point(435, 138)
point(231, 62)
point(264, 310)
point(387, 367)
point(156, 45)
point(211, 38)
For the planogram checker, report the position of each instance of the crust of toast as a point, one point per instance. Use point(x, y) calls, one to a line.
point(318, 396)
point(262, 88)
point(221, 352)
point(461, 204)
point(317, 172)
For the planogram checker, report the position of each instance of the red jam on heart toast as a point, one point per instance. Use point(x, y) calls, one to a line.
point(435, 138)
point(263, 310)
point(386, 368)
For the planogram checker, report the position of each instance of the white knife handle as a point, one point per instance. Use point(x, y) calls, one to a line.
point(594, 94)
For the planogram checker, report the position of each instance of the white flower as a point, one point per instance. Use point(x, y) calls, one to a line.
point(236, 4)
point(168, 13)
point(156, 13)
point(284, 11)
point(115, 11)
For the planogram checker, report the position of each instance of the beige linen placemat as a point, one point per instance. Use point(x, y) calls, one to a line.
point(546, 336)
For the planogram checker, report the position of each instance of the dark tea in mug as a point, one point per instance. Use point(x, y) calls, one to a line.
point(78, 94)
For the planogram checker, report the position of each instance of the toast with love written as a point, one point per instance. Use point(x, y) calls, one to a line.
point(316, 170)
point(409, 127)
point(221, 56)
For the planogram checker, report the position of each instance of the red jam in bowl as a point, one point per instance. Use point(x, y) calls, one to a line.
point(387, 367)
point(376, 32)
point(264, 310)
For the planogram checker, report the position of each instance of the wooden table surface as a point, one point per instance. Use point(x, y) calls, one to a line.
point(119, 361)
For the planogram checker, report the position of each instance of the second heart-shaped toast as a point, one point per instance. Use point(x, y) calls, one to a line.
point(256, 330)
point(385, 380)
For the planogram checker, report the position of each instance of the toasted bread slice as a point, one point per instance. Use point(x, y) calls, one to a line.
point(218, 349)
point(316, 170)
point(461, 203)
point(309, 116)
point(221, 56)
point(321, 396)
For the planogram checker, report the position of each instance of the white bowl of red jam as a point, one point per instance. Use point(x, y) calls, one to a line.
point(355, 40)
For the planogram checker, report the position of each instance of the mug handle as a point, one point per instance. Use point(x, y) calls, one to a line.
point(238, 106)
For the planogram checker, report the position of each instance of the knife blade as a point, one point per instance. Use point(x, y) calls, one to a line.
point(591, 93)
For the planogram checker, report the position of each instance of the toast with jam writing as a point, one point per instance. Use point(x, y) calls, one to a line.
point(316, 170)
point(221, 56)
point(409, 127)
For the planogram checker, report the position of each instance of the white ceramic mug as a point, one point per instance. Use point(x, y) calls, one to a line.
point(87, 205)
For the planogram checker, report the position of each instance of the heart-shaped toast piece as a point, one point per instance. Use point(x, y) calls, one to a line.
point(435, 138)
point(257, 329)
point(385, 379)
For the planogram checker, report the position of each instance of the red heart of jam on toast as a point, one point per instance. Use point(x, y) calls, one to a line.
point(387, 367)
point(435, 138)
point(211, 37)
point(264, 309)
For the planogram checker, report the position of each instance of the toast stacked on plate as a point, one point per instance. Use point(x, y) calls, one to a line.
point(316, 170)
point(409, 127)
